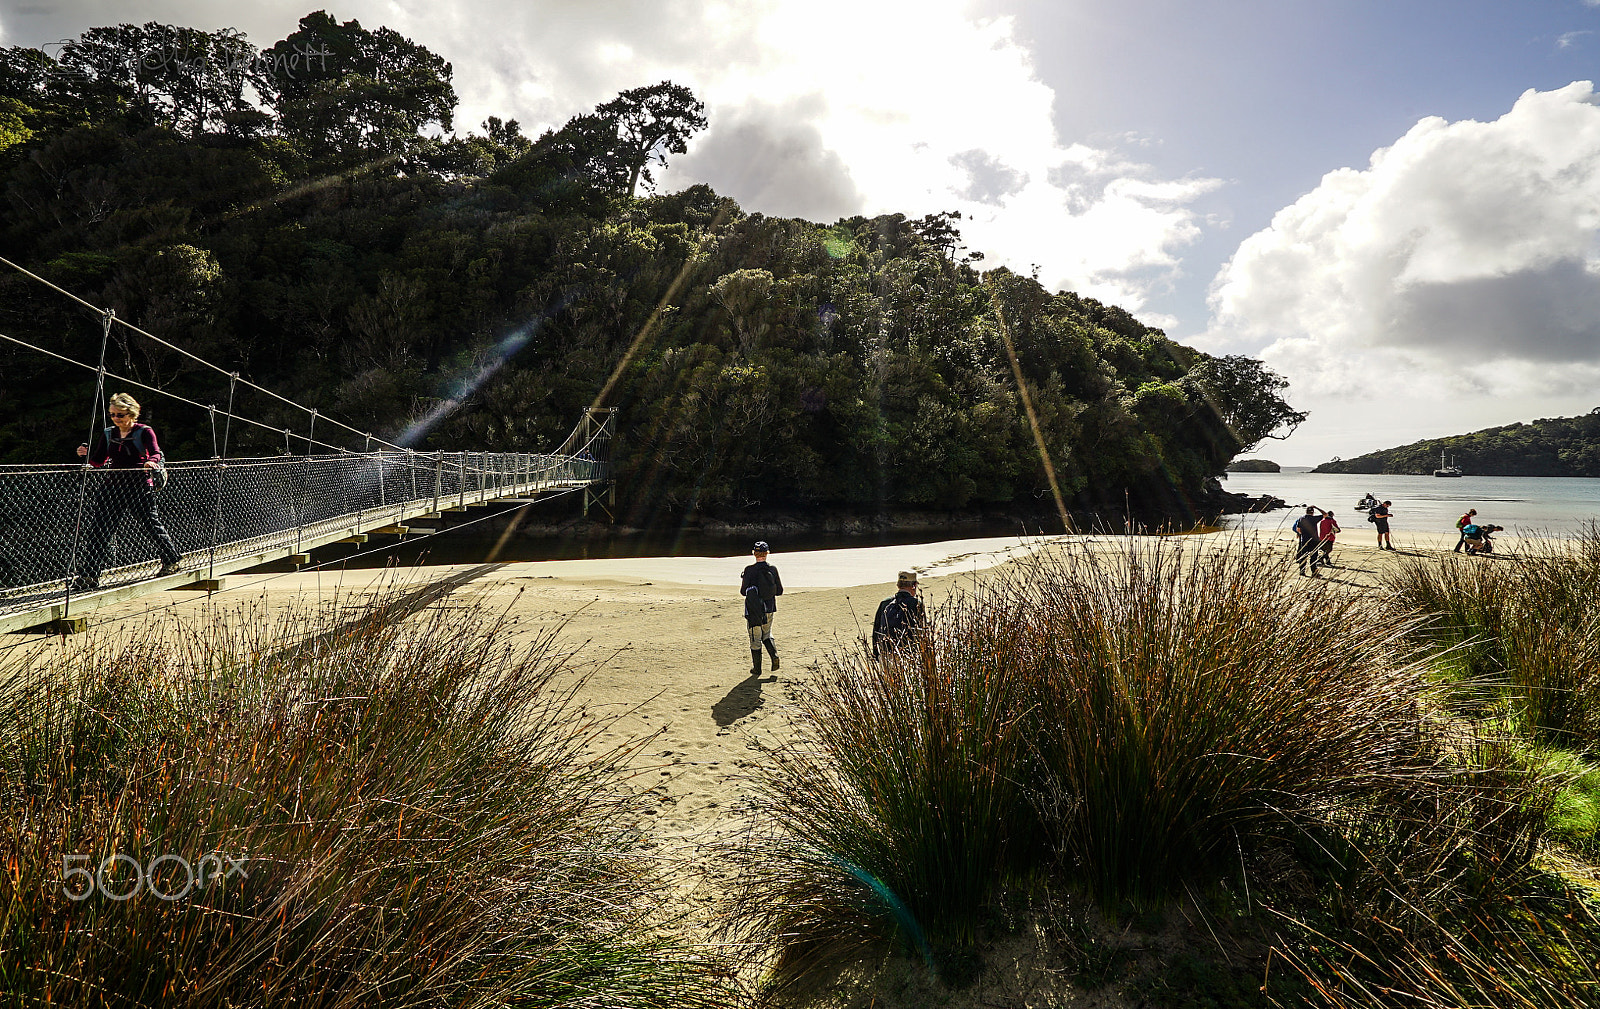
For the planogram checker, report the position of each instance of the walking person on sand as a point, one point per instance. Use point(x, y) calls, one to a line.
point(762, 577)
point(1309, 532)
point(899, 616)
point(1380, 517)
point(759, 623)
point(1327, 529)
point(1461, 527)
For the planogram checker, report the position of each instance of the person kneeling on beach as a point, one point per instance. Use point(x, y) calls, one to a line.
point(762, 577)
point(1480, 539)
point(899, 616)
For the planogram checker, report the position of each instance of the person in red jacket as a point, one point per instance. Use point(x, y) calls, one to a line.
point(1461, 527)
point(1327, 529)
point(132, 453)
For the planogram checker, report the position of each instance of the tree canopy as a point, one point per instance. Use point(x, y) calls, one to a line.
point(348, 94)
point(651, 123)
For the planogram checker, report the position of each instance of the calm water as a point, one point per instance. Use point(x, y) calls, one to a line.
point(1524, 505)
point(469, 546)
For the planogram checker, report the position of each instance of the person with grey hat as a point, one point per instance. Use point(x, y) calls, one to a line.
point(899, 616)
point(762, 577)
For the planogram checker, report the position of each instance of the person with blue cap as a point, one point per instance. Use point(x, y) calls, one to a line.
point(763, 578)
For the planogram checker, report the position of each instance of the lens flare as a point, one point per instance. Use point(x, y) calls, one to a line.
point(503, 352)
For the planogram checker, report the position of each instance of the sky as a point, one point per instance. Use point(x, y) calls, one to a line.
point(1395, 204)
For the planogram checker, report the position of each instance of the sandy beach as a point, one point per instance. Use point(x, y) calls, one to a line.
point(662, 644)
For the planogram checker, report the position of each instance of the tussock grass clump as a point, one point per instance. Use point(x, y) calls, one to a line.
point(910, 800)
point(1123, 725)
point(1523, 633)
point(384, 814)
point(1183, 699)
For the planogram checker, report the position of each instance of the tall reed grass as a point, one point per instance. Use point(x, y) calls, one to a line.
point(418, 814)
point(1522, 633)
point(1126, 724)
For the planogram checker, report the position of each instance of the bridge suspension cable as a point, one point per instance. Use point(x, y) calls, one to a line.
point(190, 355)
point(170, 395)
point(148, 613)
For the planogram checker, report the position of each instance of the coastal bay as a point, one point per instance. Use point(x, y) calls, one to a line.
point(1528, 506)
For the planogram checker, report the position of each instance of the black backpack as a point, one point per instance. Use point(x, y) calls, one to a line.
point(767, 584)
point(890, 623)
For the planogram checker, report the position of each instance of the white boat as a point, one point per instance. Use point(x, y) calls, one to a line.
point(1450, 470)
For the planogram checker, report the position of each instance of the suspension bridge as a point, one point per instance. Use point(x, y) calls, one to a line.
point(75, 538)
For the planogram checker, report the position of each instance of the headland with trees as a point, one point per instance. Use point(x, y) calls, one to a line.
point(293, 214)
point(1553, 446)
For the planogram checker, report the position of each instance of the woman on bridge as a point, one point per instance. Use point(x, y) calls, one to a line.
point(132, 452)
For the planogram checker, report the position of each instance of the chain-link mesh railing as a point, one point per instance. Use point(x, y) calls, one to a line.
point(67, 530)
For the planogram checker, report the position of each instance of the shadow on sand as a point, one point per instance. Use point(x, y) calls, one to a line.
point(744, 698)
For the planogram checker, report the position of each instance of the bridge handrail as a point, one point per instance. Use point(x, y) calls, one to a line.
point(7, 469)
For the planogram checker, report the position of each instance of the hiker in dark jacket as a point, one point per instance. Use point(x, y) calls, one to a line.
point(899, 616)
point(764, 578)
point(1307, 528)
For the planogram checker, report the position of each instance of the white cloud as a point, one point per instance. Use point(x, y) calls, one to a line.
point(1451, 285)
point(774, 159)
point(1467, 251)
point(1568, 39)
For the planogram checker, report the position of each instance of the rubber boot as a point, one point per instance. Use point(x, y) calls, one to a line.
point(772, 650)
point(755, 662)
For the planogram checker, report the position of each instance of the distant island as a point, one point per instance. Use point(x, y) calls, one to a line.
point(1555, 446)
point(1254, 466)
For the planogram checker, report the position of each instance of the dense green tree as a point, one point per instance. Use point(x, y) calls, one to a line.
point(651, 123)
point(1555, 446)
point(1244, 394)
point(351, 95)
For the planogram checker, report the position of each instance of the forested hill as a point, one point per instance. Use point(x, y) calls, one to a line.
point(292, 213)
point(1556, 446)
